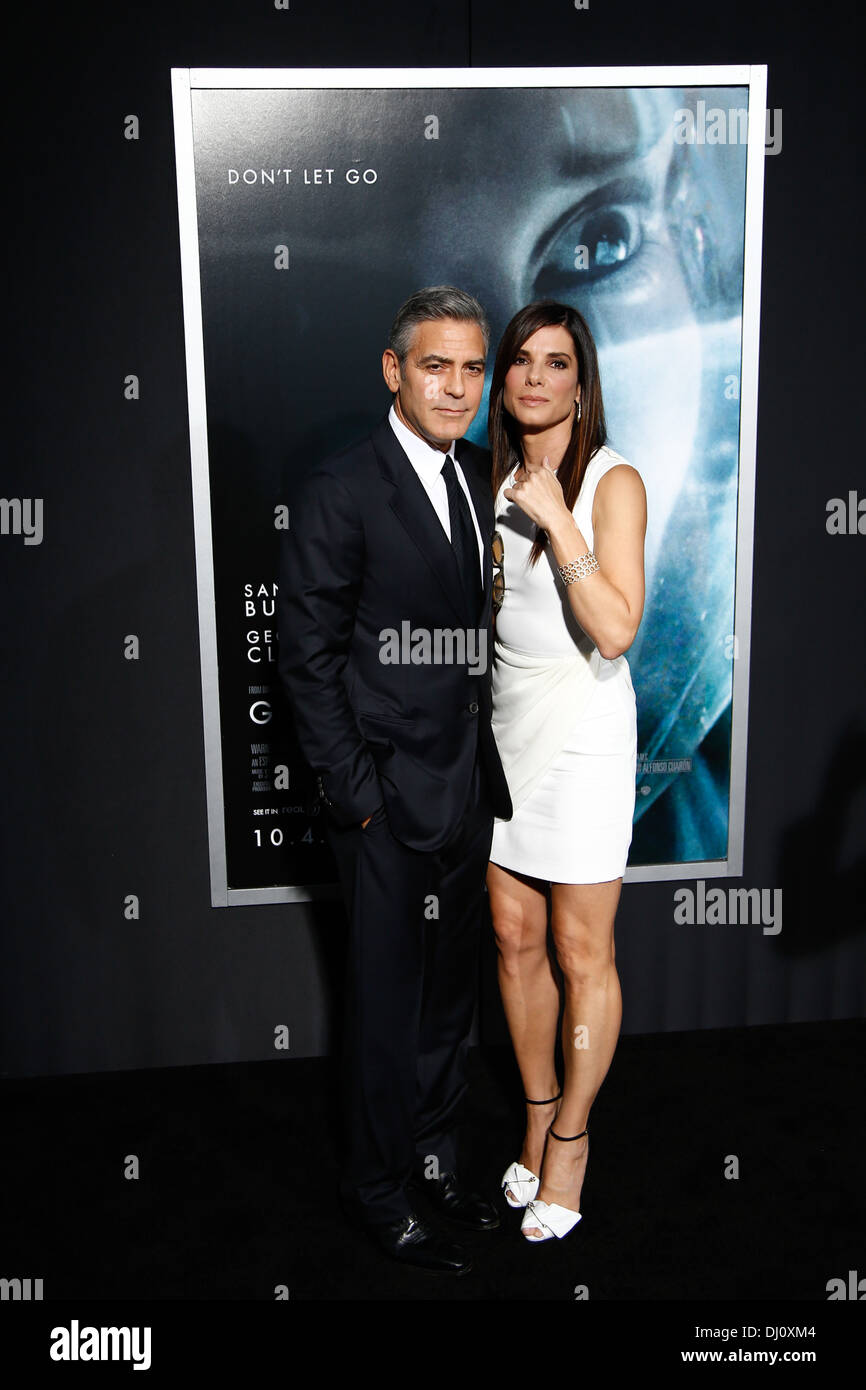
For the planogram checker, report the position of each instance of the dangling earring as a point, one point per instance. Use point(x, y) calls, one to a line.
point(577, 403)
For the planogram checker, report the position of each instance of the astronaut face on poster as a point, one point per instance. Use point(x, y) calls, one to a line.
point(602, 204)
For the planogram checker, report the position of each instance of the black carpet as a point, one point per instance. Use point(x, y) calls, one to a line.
point(238, 1167)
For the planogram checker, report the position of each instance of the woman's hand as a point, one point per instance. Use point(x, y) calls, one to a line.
point(537, 492)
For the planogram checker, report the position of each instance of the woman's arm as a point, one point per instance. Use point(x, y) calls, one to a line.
point(608, 604)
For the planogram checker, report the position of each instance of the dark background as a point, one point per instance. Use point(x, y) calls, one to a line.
point(103, 758)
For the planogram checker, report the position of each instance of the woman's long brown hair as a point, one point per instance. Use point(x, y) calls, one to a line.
point(587, 434)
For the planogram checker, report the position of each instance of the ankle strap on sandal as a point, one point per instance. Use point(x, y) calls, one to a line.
point(567, 1139)
point(543, 1102)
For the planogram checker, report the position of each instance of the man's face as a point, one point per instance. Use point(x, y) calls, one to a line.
point(440, 388)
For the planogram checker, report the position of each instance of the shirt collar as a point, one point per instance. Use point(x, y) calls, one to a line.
point(422, 456)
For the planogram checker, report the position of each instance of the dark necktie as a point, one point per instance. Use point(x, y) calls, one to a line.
point(463, 541)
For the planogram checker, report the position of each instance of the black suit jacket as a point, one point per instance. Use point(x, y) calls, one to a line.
point(365, 554)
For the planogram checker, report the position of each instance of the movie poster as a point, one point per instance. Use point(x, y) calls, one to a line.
point(311, 205)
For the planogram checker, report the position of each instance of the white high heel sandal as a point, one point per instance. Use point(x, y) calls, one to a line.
point(520, 1184)
point(548, 1217)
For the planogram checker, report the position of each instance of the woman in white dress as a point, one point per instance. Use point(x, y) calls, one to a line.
point(571, 520)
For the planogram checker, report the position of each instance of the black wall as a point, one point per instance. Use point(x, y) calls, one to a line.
point(103, 786)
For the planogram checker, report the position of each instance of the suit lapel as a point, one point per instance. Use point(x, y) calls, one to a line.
point(415, 511)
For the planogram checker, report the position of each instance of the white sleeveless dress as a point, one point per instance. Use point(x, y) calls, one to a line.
point(564, 718)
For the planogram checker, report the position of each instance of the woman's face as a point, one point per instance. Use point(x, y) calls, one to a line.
point(541, 385)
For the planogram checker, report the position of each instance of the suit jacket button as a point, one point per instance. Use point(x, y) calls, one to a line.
point(473, 708)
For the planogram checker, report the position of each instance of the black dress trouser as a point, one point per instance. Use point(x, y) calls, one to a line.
point(414, 928)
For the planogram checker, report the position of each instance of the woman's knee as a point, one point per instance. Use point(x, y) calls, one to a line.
point(585, 951)
point(520, 930)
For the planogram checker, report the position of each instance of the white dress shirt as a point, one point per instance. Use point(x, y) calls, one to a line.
point(428, 463)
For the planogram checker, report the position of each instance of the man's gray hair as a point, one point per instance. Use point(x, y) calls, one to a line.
point(436, 302)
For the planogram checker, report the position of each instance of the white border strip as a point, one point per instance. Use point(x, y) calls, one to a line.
point(346, 78)
point(752, 243)
point(195, 377)
point(676, 873)
point(246, 897)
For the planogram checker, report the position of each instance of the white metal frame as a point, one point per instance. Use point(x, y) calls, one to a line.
point(184, 81)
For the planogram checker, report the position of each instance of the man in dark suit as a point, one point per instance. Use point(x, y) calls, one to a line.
point(385, 616)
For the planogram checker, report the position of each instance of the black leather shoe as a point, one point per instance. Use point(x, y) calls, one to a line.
point(413, 1243)
point(448, 1197)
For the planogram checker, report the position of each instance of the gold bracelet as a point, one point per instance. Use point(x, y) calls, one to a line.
point(578, 569)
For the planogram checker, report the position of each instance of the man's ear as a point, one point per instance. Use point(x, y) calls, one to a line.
point(391, 370)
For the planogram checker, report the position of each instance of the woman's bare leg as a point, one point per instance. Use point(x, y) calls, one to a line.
point(582, 918)
point(530, 996)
